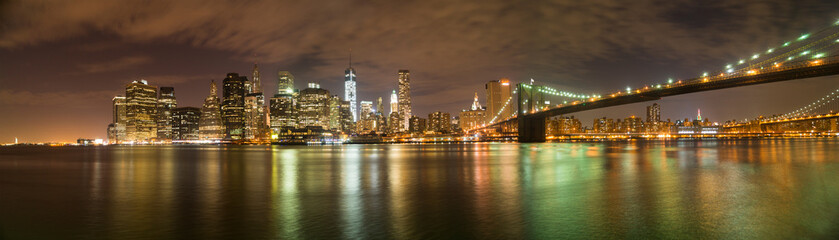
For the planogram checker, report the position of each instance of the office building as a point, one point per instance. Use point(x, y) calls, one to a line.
point(210, 126)
point(404, 98)
point(186, 123)
point(233, 106)
point(394, 102)
point(439, 122)
point(165, 104)
point(417, 125)
point(473, 117)
point(140, 111)
point(313, 107)
point(498, 93)
point(256, 127)
point(349, 89)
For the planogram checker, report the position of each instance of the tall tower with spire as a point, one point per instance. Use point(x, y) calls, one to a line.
point(209, 125)
point(476, 105)
point(349, 89)
point(699, 114)
point(256, 126)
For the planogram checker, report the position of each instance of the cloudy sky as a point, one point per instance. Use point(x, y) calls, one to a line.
point(61, 62)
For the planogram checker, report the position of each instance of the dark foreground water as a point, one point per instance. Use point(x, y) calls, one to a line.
point(756, 189)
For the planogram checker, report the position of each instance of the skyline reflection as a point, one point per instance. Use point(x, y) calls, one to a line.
point(706, 189)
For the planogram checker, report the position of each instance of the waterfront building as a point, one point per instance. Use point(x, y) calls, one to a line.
point(186, 123)
point(350, 89)
point(394, 123)
point(604, 125)
point(653, 113)
point(404, 99)
point(210, 126)
point(632, 125)
point(347, 124)
point(140, 111)
point(166, 102)
point(563, 125)
point(474, 117)
point(394, 102)
point(367, 118)
point(313, 107)
point(256, 127)
point(116, 130)
point(439, 122)
point(233, 106)
point(498, 92)
point(417, 125)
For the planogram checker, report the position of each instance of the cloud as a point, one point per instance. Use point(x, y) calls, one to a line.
point(115, 65)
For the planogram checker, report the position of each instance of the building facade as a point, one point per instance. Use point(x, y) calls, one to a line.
point(439, 122)
point(350, 90)
point(654, 113)
point(498, 92)
point(210, 126)
point(313, 107)
point(404, 98)
point(166, 102)
point(140, 111)
point(233, 106)
point(473, 117)
point(186, 123)
point(256, 127)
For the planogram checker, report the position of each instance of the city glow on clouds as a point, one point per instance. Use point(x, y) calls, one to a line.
point(568, 44)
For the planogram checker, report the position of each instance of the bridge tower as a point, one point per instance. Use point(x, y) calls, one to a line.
point(531, 99)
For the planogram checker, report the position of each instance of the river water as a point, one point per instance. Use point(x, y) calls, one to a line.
point(687, 189)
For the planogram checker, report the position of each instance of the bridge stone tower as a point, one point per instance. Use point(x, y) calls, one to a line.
point(531, 124)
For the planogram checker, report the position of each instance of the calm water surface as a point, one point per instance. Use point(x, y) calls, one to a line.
point(716, 189)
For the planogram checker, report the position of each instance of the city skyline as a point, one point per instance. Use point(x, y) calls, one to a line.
point(45, 85)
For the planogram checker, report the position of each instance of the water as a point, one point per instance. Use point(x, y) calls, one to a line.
point(725, 189)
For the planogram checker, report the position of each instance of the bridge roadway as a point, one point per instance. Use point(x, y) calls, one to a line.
point(531, 127)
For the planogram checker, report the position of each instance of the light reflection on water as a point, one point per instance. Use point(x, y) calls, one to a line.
point(678, 189)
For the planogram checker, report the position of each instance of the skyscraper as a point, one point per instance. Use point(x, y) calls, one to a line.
point(255, 126)
point(313, 107)
point(233, 106)
point(210, 126)
point(186, 123)
point(285, 82)
point(165, 104)
point(283, 106)
point(498, 92)
point(439, 122)
point(394, 102)
point(116, 130)
point(404, 99)
point(474, 117)
point(140, 111)
point(119, 109)
point(349, 89)
point(653, 113)
point(379, 107)
point(367, 118)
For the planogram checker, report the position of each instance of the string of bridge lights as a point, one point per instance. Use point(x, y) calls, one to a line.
point(804, 51)
point(813, 106)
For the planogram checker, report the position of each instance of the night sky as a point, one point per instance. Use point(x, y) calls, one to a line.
point(61, 62)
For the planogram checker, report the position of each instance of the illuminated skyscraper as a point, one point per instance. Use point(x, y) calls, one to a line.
point(439, 122)
point(210, 126)
point(404, 99)
point(498, 93)
point(119, 109)
point(474, 117)
point(349, 89)
point(313, 107)
point(394, 102)
point(285, 82)
point(255, 124)
point(367, 118)
point(116, 130)
point(233, 106)
point(140, 111)
point(379, 107)
point(653, 113)
point(185, 123)
point(165, 104)
point(283, 106)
